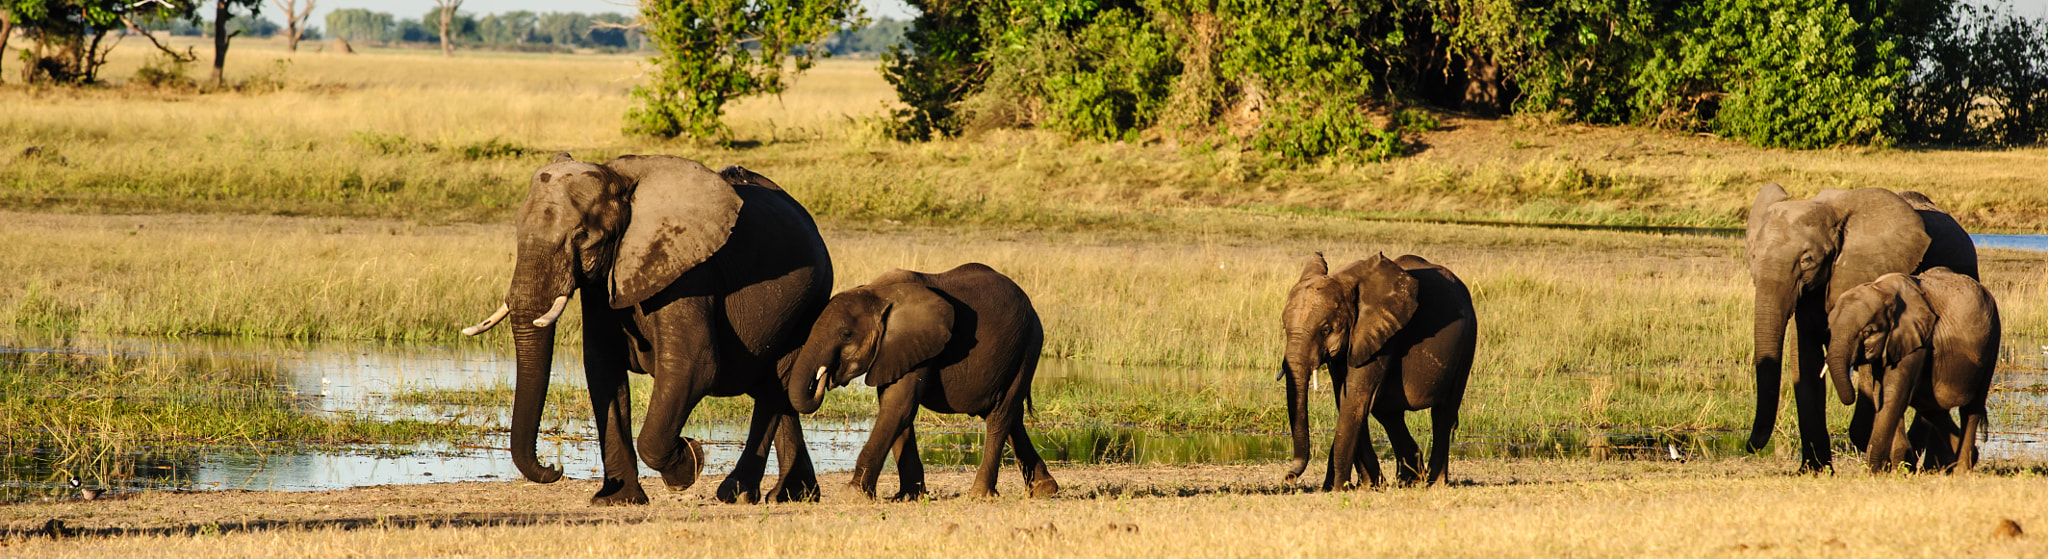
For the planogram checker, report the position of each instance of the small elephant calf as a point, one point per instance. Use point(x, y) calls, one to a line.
point(1931, 343)
point(962, 341)
point(1398, 336)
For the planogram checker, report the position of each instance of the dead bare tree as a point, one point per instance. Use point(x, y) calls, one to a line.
point(294, 21)
point(447, 18)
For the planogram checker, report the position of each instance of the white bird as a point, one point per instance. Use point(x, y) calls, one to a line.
point(1673, 449)
point(323, 387)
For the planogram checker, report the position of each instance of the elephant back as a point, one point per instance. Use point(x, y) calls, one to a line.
point(1949, 246)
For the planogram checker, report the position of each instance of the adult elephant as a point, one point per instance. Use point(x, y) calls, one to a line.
point(705, 280)
point(1803, 254)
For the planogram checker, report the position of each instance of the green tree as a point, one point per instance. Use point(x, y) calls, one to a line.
point(69, 35)
point(357, 25)
point(712, 51)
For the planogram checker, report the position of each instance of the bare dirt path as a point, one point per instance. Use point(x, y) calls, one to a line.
point(1742, 507)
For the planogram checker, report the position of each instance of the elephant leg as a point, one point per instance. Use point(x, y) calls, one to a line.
point(992, 450)
point(1352, 431)
point(604, 366)
point(1966, 448)
point(909, 467)
point(1407, 456)
point(682, 330)
point(1897, 395)
point(1938, 441)
point(611, 404)
point(799, 479)
point(1808, 389)
point(743, 485)
point(897, 409)
point(1443, 420)
point(1036, 476)
point(1859, 422)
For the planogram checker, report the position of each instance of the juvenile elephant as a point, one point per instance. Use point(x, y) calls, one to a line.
point(1803, 254)
point(704, 280)
point(962, 341)
point(1398, 336)
point(1931, 343)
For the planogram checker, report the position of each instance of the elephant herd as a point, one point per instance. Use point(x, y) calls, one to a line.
point(717, 283)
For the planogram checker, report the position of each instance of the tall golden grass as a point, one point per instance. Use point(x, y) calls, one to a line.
point(391, 133)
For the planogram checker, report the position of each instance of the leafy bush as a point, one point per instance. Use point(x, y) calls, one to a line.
point(715, 51)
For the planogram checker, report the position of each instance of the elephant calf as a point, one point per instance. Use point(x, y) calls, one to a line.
point(962, 341)
point(1398, 336)
point(1931, 343)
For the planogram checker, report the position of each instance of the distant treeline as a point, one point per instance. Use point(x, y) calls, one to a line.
point(1307, 78)
point(518, 30)
point(524, 30)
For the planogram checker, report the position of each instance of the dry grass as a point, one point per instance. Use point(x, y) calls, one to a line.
point(1499, 508)
point(384, 134)
point(1659, 321)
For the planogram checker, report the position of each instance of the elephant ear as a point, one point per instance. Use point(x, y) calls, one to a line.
point(1387, 298)
point(916, 326)
point(1759, 212)
point(1881, 234)
point(1313, 267)
point(1913, 324)
point(681, 213)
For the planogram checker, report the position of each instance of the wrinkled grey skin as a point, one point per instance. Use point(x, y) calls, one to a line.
point(709, 293)
point(962, 341)
point(1398, 336)
point(1803, 254)
point(1929, 342)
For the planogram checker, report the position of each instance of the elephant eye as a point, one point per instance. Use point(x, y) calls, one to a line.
point(846, 334)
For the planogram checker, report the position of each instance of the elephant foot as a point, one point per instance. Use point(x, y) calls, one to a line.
point(681, 476)
point(908, 495)
point(736, 489)
point(617, 492)
point(796, 488)
point(1044, 487)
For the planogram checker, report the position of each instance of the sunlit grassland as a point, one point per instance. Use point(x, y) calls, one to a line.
point(1604, 328)
point(1512, 508)
point(407, 134)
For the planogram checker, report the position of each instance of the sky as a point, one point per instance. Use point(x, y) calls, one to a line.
point(876, 8)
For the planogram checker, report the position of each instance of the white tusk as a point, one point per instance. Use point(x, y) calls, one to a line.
point(486, 325)
point(821, 373)
point(554, 312)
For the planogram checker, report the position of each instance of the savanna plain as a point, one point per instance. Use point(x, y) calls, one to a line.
point(368, 197)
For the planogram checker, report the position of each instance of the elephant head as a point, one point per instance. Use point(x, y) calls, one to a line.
point(883, 332)
point(1341, 319)
point(1883, 323)
point(627, 229)
point(1802, 249)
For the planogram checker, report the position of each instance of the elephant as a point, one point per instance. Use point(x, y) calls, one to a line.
point(1931, 342)
point(1802, 255)
point(965, 340)
point(1398, 336)
point(703, 280)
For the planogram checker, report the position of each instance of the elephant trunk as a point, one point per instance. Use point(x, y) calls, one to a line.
point(1773, 311)
point(541, 286)
point(1843, 347)
point(1298, 369)
point(536, 349)
point(807, 396)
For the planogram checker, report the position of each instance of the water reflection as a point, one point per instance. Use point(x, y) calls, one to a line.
point(2038, 243)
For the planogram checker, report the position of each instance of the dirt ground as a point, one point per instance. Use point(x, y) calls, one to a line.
point(1733, 507)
